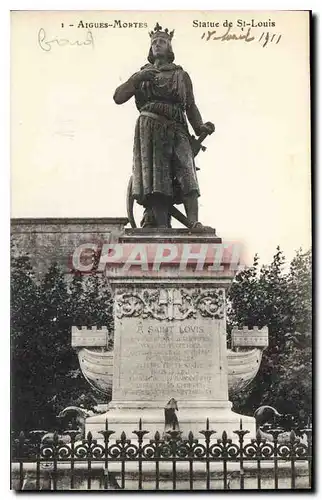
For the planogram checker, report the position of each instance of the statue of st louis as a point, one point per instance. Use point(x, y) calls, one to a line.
point(164, 171)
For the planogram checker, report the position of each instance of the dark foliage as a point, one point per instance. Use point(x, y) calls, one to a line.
point(45, 371)
point(282, 301)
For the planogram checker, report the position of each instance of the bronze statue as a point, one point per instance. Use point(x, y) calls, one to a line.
point(164, 171)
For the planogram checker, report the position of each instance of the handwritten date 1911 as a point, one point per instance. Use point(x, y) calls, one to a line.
point(47, 45)
point(264, 39)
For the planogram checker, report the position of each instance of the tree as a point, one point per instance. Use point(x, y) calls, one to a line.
point(296, 370)
point(283, 302)
point(24, 333)
point(46, 373)
point(56, 357)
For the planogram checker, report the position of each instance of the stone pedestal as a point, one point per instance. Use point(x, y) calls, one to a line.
point(170, 334)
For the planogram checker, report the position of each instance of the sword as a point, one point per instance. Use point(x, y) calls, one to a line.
point(196, 144)
point(179, 216)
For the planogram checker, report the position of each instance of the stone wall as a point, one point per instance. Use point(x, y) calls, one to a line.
point(47, 240)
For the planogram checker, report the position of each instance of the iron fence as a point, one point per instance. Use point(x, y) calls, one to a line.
point(164, 462)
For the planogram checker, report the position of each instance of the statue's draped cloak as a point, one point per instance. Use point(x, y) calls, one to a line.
point(162, 155)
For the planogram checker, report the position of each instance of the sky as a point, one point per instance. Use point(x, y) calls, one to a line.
point(71, 145)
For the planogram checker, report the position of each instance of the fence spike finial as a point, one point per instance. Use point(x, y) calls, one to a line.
point(292, 436)
point(259, 436)
point(190, 436)
point(241, 424)
point(207, 424)
point(140, 424)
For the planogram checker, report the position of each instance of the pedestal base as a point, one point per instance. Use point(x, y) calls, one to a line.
point(190, 418)
point(170, 336)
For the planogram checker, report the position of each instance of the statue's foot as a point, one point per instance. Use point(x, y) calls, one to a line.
point(147, 225)
point(197, 227)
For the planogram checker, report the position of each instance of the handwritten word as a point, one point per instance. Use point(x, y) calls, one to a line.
point(47, 45)
point(229, 36)
point(265, 38)
point(269, 38)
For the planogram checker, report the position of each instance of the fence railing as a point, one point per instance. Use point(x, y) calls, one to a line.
point(163, 462)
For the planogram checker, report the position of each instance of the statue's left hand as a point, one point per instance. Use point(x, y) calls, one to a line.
point(207, 127)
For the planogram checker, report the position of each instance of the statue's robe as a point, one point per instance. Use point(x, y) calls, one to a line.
point(162, 156)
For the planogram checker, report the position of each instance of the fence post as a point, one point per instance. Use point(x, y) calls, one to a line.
point(158, 443)
point(309, 452)
point(72, 456)
point(259, 441)
point(21, 449)
point(207, 433)
point(275, 433)
point(38, 434)
point(55, 457)
point(174, 438)
point(106, 434)
point(90, 442)
point(241, 433)
point(140, 433)
point(191, 442)
point(293, 442)
point(123, 442)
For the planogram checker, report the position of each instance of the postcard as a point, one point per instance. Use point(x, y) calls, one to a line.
point(161, 282)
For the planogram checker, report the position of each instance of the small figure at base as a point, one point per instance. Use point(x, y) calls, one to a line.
point(171, 419)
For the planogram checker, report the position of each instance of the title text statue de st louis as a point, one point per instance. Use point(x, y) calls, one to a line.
point(164, 170)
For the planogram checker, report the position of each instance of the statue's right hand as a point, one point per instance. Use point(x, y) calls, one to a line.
point(145, 74)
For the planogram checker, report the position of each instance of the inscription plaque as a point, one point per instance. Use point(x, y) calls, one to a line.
point(158, 360)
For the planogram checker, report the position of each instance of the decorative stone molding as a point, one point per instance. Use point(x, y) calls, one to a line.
point(249, 337)
point(170, 303)
point(89, 336)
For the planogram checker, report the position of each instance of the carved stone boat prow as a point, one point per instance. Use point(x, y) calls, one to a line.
point(96, 361)
point(97, 367)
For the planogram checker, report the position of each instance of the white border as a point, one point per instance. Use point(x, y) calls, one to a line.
point(164, 5)
point(5, 7)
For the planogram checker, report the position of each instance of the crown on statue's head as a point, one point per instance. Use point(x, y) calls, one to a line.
point(159, 32)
